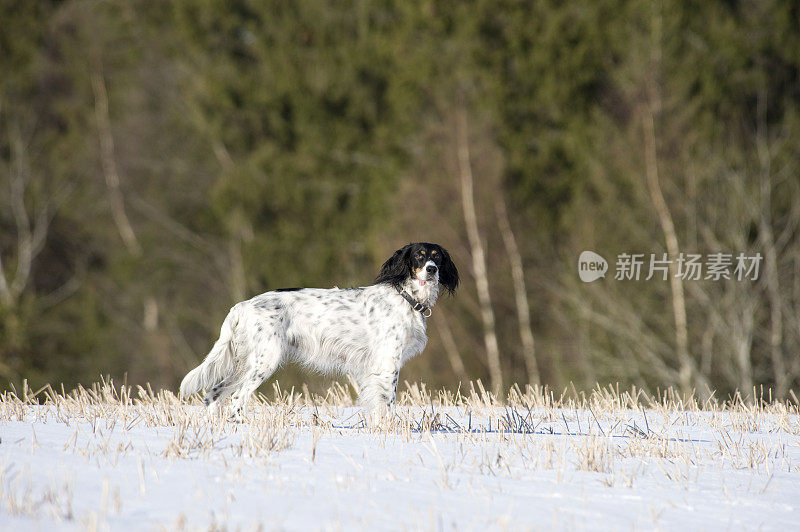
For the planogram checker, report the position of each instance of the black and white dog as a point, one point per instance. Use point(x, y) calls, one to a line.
point(367, 332)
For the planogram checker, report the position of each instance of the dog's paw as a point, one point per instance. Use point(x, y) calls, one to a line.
point(237, 416)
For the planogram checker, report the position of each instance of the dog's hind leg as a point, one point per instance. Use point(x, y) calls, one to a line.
point(216, 395)
point(266, 359)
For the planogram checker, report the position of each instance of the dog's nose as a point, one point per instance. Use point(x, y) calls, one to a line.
point(431, 269)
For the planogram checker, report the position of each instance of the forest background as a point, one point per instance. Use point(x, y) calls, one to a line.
point(160, 161)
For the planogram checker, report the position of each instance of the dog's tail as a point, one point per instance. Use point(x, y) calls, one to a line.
point(220, 361)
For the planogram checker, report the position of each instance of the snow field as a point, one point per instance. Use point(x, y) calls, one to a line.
point(115, 458)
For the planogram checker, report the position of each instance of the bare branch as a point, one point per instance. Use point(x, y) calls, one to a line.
point(5, 292)
point(449, 343)
point(109, 163)
point(64, 291)
point(20, 212)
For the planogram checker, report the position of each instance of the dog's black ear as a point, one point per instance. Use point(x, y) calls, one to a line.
point(448, 273)
point(397, 269)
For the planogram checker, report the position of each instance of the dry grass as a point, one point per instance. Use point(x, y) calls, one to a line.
point(600, 414)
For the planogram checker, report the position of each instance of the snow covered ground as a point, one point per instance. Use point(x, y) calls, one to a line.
point(112, 459)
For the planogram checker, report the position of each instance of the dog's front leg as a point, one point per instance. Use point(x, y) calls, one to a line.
point(379, 389)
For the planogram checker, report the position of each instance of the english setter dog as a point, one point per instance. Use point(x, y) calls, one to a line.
point(367, 332)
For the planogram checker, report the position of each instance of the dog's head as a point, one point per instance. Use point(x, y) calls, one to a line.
point(423, 263)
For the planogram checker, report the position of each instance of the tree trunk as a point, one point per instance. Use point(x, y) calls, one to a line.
point(770, 255)
point(685, 371)
point(520, 292)
point(478, 256)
